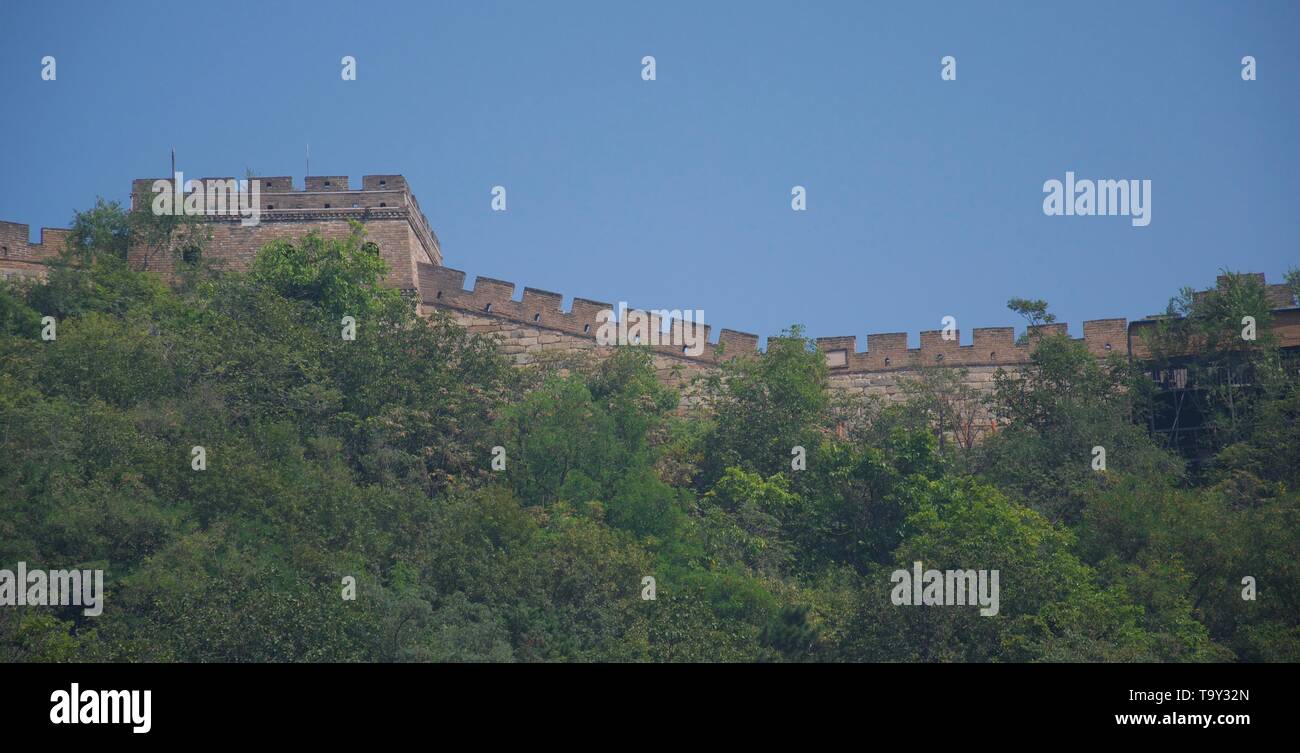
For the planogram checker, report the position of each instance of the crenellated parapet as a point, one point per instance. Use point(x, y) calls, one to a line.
point(990, 346)
point(321, 199)
point(386, 206)
point(443, 287)
point(19, 257)
point(326, 204)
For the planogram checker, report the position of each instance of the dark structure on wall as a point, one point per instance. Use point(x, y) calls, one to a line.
point(1181, 404)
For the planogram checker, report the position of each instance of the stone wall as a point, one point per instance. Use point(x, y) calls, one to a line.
point(384, 205)
point(19, 257)
point(536, 329)
point(533, 344)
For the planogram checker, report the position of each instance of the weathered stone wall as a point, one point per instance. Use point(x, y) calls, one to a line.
point(536, 329)
point(529, 344)
point(21, 258)
point(384, 205)
point(888, 385)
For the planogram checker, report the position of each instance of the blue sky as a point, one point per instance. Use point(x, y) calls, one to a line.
point(924, 196)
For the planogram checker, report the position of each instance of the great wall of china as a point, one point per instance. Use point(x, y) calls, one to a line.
point(536, 324)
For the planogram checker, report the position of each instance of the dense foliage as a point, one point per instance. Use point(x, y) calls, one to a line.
point(372, 458)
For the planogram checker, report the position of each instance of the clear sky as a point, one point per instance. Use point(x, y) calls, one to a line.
point(924, 196)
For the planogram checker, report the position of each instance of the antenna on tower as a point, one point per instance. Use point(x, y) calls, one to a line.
point(309, 159)
point(173, 162)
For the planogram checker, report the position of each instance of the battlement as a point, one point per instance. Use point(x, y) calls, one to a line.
point(1279, 295)
point(408, 244)
point(443, 287)
point(19, 257)
point(326, 204)
point(990, 346)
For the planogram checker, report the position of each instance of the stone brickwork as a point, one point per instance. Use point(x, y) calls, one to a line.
point(536, 323)
point(21, 258)
point(384, 204)
point(535, 329)
point(526, 344)
point(888, 384)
